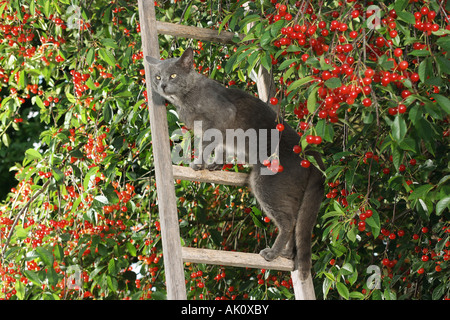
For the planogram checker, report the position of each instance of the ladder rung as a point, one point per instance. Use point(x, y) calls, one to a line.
point(179, 30)
point(235, 259)
point(219, 177)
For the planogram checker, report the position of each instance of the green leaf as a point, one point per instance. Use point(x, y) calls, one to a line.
point(131, 249)
point(113, 268)
point(6, 139)
point(400, 5)
point(444, 43)
point(71, 97)
point(333, 83)
point(256, 217)
point(110, 43)
point(299, 82)
point(276, 27)
point(442, 205)
point(90, 56)
point(311, 102)
point(46, 256)
point(343, 291)
point(408, 144)
point(439, 291)
point(33, 277)
point(419, 53)
point(266, 39)
point(52, 277)
point(425, 69)
point(286, 63)
point(88, 176)
point(444, 102)
point(2, 7)
point(444, 63)
point(356, 295)
point(58, 252)
point(113, 285)
point(385, 63)
point(224, 21)
point(20, 290)
point(407, 17)
point(107, 56)
point(399, 128)
point(348, 268)
point(374, 222)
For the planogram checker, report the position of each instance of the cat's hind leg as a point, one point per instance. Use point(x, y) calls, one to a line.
point(305, 222)
point(281, 205)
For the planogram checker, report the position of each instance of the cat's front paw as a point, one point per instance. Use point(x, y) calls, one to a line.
point(214, 166)
point(196, 166)
point(268, 254)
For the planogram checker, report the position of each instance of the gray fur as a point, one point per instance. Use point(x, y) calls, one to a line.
point(290, 198)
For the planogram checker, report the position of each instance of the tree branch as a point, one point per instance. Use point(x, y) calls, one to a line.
point(34, 197)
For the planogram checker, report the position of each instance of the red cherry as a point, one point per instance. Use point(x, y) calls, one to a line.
point(424, 11)
point(367, 102)
point(392, 111)
point(379, 42)
point(297, 149)
point(398, 52)
point(403, 65)
point(310, 139)
point(280, 127)
point(274, 101)
point(305, 163)
point(393, 33)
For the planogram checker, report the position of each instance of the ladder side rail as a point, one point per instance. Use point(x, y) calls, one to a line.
point(167, 205)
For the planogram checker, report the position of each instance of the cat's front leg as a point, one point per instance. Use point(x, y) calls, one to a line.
point(217, 161)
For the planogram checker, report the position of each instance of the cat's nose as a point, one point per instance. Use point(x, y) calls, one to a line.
point(163, 87)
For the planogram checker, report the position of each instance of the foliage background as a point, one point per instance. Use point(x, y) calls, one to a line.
point(79, 217)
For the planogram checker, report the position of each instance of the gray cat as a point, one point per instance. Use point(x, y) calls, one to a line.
point(291, 198)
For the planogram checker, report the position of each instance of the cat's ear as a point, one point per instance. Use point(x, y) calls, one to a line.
point(187, 59)
point(152, 60)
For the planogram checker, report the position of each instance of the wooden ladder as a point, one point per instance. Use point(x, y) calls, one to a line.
point(173, 253)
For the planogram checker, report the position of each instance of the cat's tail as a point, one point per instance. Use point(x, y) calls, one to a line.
point(306, 220)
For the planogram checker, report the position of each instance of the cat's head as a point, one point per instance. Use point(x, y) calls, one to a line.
point(172, 76)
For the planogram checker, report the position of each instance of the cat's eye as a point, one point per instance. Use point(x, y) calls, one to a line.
point(158, 78)
point(173, 76)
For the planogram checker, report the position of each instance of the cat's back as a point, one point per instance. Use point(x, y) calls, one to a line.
point(249, 108)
